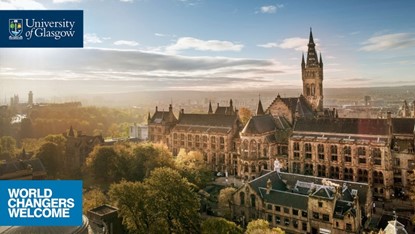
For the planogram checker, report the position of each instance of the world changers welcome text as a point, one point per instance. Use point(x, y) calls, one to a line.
point(37, 203)
point(43, 28)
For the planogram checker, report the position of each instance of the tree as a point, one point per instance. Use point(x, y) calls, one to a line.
point(176, 204)
point(192, 166)
point(224, 201)
point(50, 156)
point(244, 114)
point(59, 140)
point(261, 226)
point(101, 164)
point(220, 225)
point(165, 202)
point(411, 190)
point(7, 147)
point(131, 199)
point(93, 198)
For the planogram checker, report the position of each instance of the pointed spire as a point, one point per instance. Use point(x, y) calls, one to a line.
point(71, 133)
point(260, 109)
point(311, 40)
point(148, 117)
point(302, 60)
point(170, 108)
point(231, 103)
point(210, 111)
point(321, 60)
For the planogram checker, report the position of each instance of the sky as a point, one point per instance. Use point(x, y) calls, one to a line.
point(216, 45)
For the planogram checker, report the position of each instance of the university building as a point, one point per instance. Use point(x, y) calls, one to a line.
point(305, 137)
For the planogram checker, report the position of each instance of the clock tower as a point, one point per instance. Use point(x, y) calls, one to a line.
point(312, 73)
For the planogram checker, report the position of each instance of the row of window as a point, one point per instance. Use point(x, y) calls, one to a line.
point(286, 222)
point(347, 152)
point(287, 210)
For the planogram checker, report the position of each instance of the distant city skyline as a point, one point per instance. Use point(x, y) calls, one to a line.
point(142, 45)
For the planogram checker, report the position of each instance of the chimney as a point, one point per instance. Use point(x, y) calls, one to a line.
point(269, 186)
point(157, 108)
point(170, 108)
point(182, 111)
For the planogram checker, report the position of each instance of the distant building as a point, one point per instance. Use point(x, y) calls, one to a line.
point(304, 204)
point(78, 147)
point(30, 98)
point(405, 111)
point(138, 132)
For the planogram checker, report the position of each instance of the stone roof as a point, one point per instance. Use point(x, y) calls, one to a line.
point(343, 126)
point(162, 116)
point(296, 105)
point(403, 126)
point(224, 110)
point(20, 165)
point(342, 208)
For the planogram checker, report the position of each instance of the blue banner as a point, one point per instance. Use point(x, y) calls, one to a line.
point(40, 202)
point(42, 28)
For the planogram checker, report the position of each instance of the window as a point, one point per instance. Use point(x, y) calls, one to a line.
point(308, 152)
point(320, 204)
point(295, 223)
point(334, 172)
point(333, 151)
point(377, 156)
point(326, 217)
point(269, 207)
point(197, 140)
point(296, 146)
point(348, 227)
point(321, 171)
point(348, 174)
point(213, 142)
point(296, 168)
point(347, 154)
point(222, 142)
point(269, 218)
point(295, 212)
point(315, 215)
point(286, 210)
point(254, 149)
point(362, 175)
point(304, 214)
point(296, 155)
point(278, 208)
point(245, 149)
point(287, 222)
point(377, 177)
point(242, 198)
point(304, 226)
point(308, 169)
point(362, 159)
point(361, 151)
point(253, 200)
point(320, 149)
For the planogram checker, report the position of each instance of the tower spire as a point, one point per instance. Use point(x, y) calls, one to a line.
point(321, 61)
point(260, 109)
point(312, 60)
point(210, 111)
point(302, 61)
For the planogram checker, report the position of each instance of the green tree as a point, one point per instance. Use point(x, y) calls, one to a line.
point(175, 203)
point(7, 147)
point(261, 226)
point(93, 198)
point(244, 114)
point(225, 200)
point(131, 198)
point(165, 202)
point(50, 156)
point(192, 166)
point(220, 226)
point(101, 164)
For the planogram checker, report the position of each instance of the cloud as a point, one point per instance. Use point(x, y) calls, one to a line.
point(126, 43)
point(186, 43)
point(145, 71)
point(271, 9)
point(296, 43)
point(130, 1)
point(92, 38)
point(388, 42)
point(21, 5)
point(65, 1)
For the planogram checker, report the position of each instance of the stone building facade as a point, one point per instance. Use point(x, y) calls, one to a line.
point(304, 204)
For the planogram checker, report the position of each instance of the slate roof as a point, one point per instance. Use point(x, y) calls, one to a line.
point(205, 122)
point(403, 126)
point(163, 116)
point(22, 165)
point(342, 207)
point(288, 199)
point(343, 126)
point(260, 124)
